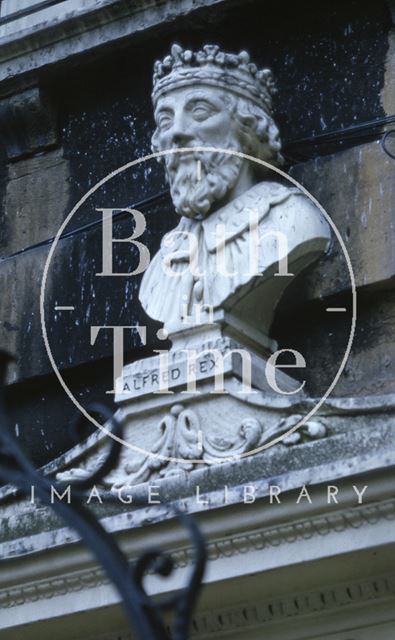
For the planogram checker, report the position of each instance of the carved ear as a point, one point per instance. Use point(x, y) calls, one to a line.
point(262, 127)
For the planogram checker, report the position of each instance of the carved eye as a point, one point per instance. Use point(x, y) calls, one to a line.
point(202, 111)
point(164, 120)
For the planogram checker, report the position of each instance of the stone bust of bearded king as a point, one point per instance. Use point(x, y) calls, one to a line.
point(223, 102)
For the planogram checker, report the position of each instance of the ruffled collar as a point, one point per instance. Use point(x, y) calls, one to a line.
point(235, 216)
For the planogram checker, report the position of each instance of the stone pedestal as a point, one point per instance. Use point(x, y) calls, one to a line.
point(206, 401)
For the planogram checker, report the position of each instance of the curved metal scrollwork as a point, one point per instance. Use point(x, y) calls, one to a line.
point(144, 613)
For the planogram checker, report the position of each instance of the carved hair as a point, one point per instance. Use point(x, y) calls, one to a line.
point(259, 134)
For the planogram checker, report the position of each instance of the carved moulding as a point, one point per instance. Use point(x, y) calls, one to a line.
point(182, 438)
point(172, 438)
point(178, 435)
point(321, 526)
point(178, 423)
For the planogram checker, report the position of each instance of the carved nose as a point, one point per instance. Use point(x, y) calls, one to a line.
point(180, 138)
point(179, 132)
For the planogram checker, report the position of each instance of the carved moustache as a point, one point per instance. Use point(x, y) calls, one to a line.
point(200, 178)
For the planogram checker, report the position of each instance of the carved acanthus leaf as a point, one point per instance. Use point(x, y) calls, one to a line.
point(181, 443)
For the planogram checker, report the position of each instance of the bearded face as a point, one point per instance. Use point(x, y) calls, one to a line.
point(199, 179)
point(190, 118)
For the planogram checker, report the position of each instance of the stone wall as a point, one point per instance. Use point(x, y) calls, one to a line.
point(75, 105)
point(79, 116)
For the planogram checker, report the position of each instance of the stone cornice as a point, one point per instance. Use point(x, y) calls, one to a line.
point(72, 568)
point(82, 30)
point(249, 615)
point(51, 587)
point(244, 615)
point(326, 599)
point(374, 470)
point(347, 407)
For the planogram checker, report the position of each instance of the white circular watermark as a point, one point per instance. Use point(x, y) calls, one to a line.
point(157, 155)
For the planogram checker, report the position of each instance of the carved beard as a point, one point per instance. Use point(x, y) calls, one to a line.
point(194, 194)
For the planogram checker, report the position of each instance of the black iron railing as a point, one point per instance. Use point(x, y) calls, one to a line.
point(145, 614)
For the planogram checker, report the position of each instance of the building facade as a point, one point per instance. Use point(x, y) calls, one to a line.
point(299, 534)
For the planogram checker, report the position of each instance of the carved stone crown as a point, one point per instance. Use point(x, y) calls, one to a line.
point(210, 66)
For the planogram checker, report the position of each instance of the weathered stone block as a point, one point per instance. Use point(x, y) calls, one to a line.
point(71, 281)
point(388, 93)
point(28, 123)
point(357, 189)
point(371, 366)
point(20, 333)
point(36, 200)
